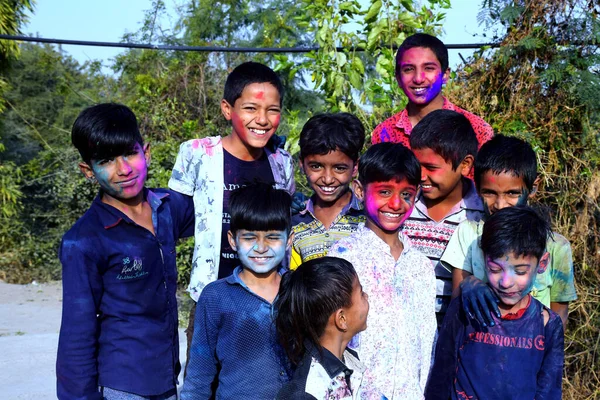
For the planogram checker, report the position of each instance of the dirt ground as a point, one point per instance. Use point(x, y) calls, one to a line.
point(29, 325)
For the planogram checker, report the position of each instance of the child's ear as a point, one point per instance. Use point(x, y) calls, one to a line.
point(87, 171)
point(355, 170)
point(358, 190)
point(534, 189)
point(147, 154)
point(340, 320)
point(226, 109)
point(290, 240)
point(466, 164)
point(231, 240)
point(543, 263)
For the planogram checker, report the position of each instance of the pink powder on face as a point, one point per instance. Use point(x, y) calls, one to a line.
point(260, 95)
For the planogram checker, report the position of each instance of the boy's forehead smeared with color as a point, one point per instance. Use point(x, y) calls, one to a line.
point(507, 154)
point(384, 162)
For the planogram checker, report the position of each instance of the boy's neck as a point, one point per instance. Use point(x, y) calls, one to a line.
point(517, 310)
point(137, 208)
point(264, 285)
point(335, 343)
point(239, 149)
point(416, 112)
point(439, 208)
point(327, 212)
point(390, 238)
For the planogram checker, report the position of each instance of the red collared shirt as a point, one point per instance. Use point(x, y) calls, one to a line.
point(397, 128)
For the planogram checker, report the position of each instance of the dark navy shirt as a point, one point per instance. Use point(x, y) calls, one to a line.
point(234, 345)
point(119, 320)
point(517, 359)
point(237, 173)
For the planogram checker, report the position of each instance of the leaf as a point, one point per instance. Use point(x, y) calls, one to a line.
point(341, 59)
point(373, 37)
point(373, 11)
point(355, 79)
point(358, 65)
point(408, 5)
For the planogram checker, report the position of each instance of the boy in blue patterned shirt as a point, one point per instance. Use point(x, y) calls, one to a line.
point(235, 353)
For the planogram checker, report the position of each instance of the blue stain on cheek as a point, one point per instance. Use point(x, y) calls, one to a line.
point(522, 201)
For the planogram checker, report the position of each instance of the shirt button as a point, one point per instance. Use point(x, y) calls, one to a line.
point(281, 373)
point(326, 234)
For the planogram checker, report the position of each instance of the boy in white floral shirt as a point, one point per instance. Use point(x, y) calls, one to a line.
point(209, 169)
point(398, 343)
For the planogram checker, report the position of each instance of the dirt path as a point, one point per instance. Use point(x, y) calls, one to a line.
point(29, 325)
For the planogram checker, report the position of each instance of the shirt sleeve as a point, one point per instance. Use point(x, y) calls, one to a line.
point(426, 322)
point(203, 364)
point(458, 252)
point(443, 373)
point(76, 363)
point(563, 280)
point(549, 378)
point(184, 209)
point(184, 174)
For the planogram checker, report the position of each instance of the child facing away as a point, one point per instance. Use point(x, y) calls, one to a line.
point(421, 71)
point(118, 336)
point(506, 176)
point(520, 357)
point(398, 344)
point(235, 353)
point(329, 148)
point(320, 307)
point(209, 169)
point(446, 146)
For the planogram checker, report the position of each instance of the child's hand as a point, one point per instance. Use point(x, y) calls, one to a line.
point(298, 202)
point(478, 298)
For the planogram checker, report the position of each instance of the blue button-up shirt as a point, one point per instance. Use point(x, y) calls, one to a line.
point(234, 344)
point(119, 320)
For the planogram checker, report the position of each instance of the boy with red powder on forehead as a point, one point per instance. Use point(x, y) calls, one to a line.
point(209, 169)
point(421, 71)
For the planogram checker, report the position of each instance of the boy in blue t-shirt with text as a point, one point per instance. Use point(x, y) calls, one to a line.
point(118, 336)
point(522, 355)
point(235, 353)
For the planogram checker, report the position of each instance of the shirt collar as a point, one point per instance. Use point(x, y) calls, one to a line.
point(404, 122)
point(111, 216)
point(354, 204)
point(470, 201)
point(368, 236)
point(234, 278)
point(332, 365)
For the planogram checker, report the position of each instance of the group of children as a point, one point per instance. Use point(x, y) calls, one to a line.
point(415, 270)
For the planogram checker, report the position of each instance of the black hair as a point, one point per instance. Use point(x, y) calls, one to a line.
point(246, 74)
point(329, 132)
point(388, 161)
point(307, 298)
point(260, 207)
point(423, 40)
point(507, 154)
point(105, 131)
point(521, 230)
point(448, 134)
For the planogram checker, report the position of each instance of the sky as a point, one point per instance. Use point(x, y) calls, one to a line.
point(109, 20)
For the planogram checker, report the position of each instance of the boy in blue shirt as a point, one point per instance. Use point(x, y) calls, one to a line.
point(235, 353)
point(118, 337)
point(521, 357)
point(329, 149)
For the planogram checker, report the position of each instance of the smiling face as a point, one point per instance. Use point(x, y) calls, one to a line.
point(387, 204)
point(121, 178)
point(420, 75)
point(260, 251)
point(502, 190)
point(329, 175)
point(511, 278)
point(438, 179)
point(255, 115)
